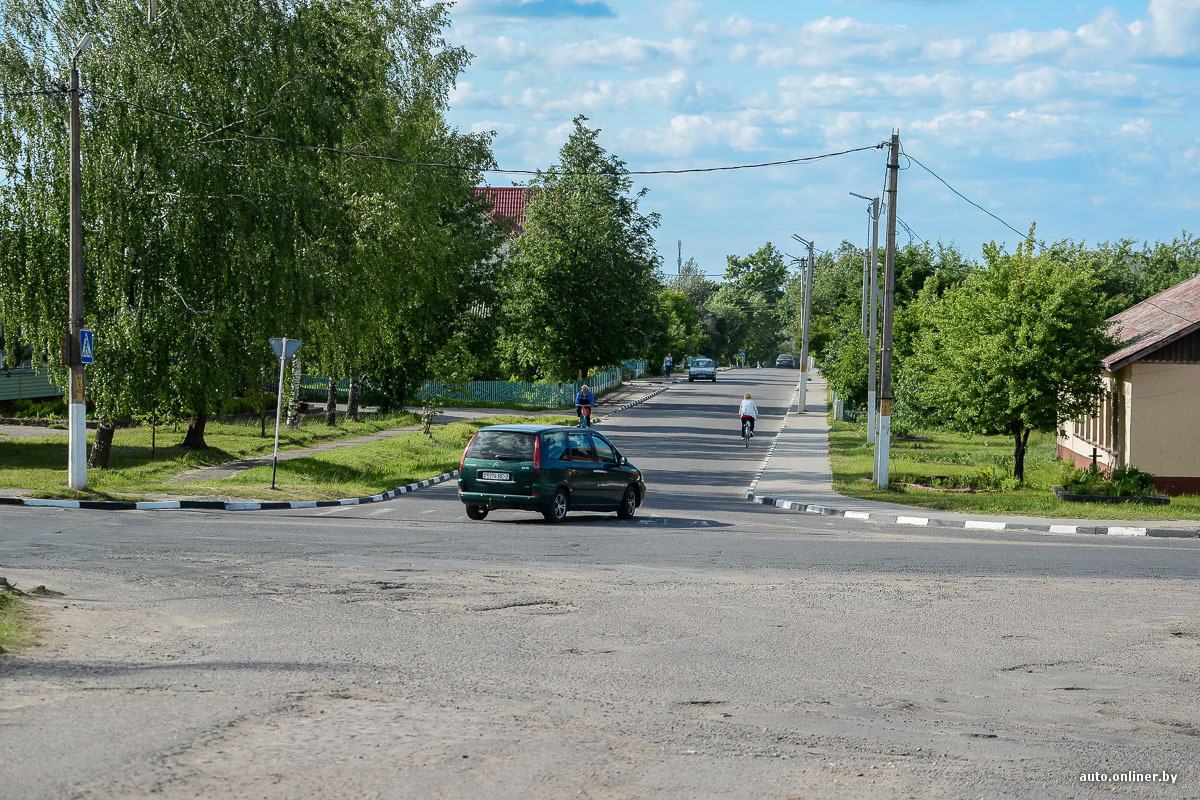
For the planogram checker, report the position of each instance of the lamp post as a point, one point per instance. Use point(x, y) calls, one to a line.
point(76, 420)
point(873, 292)
point(806, 323)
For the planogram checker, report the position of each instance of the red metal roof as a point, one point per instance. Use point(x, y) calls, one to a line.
point(1155, 322)
point(508, 204)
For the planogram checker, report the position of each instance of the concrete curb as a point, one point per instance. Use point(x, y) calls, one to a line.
point(633, 403)
point(968, 524)
point(221, 505)
point(972, 524)
point(251, 505)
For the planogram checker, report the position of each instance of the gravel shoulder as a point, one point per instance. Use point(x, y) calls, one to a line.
point(444, 679)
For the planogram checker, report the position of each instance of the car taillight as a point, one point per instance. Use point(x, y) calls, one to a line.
point(463, 461)
point(537, 456)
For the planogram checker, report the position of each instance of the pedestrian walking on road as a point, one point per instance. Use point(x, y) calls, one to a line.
point(668, 362)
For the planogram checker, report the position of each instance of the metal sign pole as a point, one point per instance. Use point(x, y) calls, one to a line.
point(285, 348)
point(278, 408)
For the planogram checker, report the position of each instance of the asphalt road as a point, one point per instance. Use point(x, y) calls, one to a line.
point(709, 647)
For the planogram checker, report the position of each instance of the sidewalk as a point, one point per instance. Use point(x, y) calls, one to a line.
point(797, 476)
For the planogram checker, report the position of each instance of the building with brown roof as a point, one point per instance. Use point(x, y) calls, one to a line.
point(1148, 418)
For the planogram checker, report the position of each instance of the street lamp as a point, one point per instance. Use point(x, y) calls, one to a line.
point(805, 324)
point(76, 420)
point(873, 292)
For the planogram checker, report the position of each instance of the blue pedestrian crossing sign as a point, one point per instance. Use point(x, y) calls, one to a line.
point(86, 352)
point(741, 353)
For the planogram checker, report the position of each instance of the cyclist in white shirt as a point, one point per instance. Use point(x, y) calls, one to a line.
point(747, 412)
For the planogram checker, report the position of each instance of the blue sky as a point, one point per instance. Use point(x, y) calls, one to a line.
point(1081, 117)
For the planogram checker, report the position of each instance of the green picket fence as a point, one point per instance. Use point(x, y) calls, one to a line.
point(516, 393)
point(634, 369)
point(496, 393)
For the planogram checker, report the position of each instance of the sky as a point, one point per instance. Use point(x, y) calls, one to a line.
point(1079, 117)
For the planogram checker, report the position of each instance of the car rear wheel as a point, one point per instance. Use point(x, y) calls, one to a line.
point(477, 512)
point(558, 507)
point(628, 503)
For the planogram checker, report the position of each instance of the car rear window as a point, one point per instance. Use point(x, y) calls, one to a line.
point(701, 362)
point(502, 445)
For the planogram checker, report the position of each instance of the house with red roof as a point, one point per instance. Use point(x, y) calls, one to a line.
point(508, 205)
point(1150, 415)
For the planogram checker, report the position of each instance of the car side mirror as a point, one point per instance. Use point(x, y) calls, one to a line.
point(623, 460)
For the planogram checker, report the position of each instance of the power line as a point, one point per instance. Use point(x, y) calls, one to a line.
point(969, 200)
point(493, 170)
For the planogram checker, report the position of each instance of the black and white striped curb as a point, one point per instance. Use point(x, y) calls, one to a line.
point(974, 524)
point(248, 505)
point(220, 505)
point(969, 524)
point(633, 403)
point(767, 459)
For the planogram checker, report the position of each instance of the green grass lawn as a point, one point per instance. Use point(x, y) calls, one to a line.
point(950, 453)
point(365, 469)
point(41, 464)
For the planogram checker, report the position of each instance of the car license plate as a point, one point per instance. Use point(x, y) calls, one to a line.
point(495, 476)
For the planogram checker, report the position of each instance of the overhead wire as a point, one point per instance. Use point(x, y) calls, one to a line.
point(1024, 236)
point(491, 170)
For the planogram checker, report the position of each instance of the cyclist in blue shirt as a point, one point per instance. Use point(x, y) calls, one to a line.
point(585, 399)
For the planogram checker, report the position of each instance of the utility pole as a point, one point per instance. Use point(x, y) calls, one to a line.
point(805, 325)
point(678, 257)
point(873, 325)
point(871, 290)
point(883, 446)
point(77, 409)
point(865, 288)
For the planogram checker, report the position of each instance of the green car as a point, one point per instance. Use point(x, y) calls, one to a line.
point(547, 468)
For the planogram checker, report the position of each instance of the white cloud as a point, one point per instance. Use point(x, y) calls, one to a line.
point(680, 15)
point(1140, 128)
point(466, 94)
point(737, 26)
point(625, 52)
point(687, 133)
point(1176, 26)
point(1024, 45)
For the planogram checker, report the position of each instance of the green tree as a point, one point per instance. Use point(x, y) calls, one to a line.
point(1015, 348)
point(580, 290)
point(208, 232)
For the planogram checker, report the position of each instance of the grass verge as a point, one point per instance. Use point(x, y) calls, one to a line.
point(357, 471)
point(951, 454)
point(18, 630)
point(40, 464)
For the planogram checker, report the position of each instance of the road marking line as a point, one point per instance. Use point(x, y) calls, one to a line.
point(333, 510)
point(380, 511)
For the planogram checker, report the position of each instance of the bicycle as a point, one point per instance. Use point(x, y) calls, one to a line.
point(585, 416)
point(747, 431)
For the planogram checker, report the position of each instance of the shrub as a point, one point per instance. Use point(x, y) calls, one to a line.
point(48, 409)
point(1123, 482)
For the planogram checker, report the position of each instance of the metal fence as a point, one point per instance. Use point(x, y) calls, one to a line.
point(496, 393)
point(634, 369)
point(26, 382)
point(516, 393)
